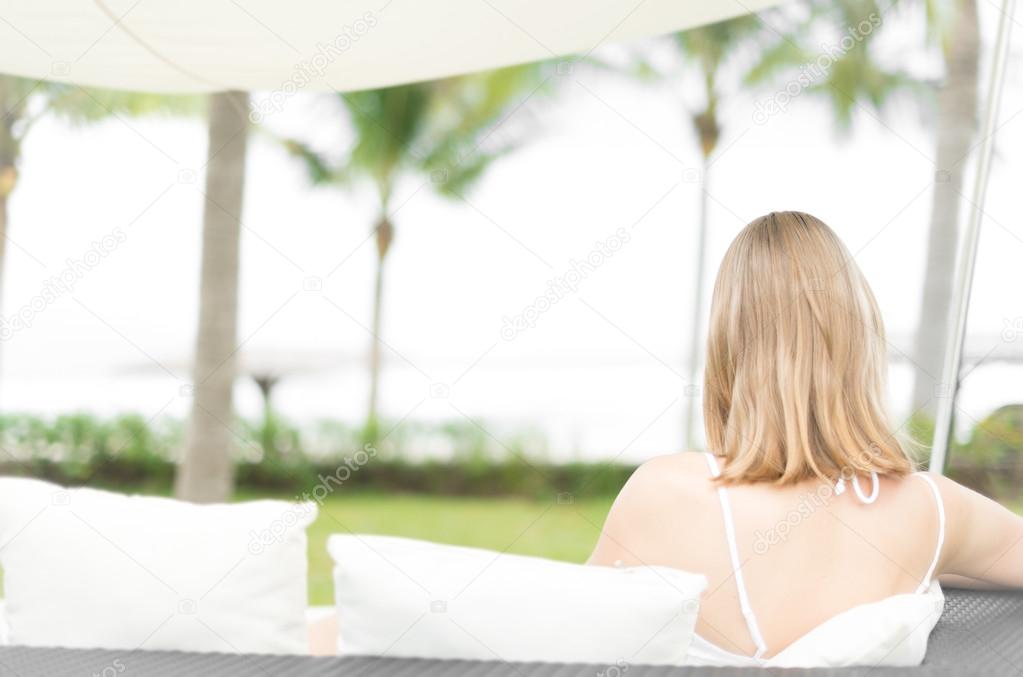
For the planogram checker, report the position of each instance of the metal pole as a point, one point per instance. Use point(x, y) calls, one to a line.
point(695, 384)
point(960, 306)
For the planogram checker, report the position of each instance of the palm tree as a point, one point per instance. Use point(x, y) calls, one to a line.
point(13, 103)
point(956, 126)
point(205, 472)
point(24, 102)
point(758, 51)
point(710, 48)
point(440, 132)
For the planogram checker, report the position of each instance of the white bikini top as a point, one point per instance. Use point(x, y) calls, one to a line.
point(892, 631)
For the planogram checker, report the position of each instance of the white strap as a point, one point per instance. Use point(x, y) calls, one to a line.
point(712, 463)
point(867, 500)
point(926, 582)
point(733, 551)
point(875, 487)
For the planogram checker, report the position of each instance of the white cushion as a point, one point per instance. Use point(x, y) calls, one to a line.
point(86, 568)
point(3, 625)
point(402, 597)
point(315, 614)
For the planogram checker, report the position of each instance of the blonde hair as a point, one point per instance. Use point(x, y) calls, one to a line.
point(796, 370)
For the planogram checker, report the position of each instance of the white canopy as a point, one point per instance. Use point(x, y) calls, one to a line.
point(210, 45)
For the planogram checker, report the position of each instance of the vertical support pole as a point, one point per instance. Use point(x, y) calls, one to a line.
point(966, 263)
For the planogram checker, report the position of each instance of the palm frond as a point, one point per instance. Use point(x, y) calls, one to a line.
point(472, 121)
point(82, 105)
point(460, 177)
point(441, 129)
point(710, 46)
point(387, 123)
point(941, 17)
point(318, 168)
point(784, 56)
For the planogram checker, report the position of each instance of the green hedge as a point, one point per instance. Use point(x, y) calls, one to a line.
point(277, 457)
point(991, 460)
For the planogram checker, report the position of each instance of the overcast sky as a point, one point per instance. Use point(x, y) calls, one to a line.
point(600, 373)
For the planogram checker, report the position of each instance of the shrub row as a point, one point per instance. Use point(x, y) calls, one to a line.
point(448, 457)
point(273, 456)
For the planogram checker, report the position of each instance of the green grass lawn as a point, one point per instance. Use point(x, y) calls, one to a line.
point(521, 526)
point(516, 525)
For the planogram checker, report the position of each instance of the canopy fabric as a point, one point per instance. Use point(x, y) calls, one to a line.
point(343, 45)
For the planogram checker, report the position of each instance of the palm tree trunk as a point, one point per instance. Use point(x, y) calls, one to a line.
point(708, 131)
point(957, 120)
point(374, 352)
point(692, 387)
point(3, 238)
point(205, 474)
point(384, 237)
point(11, 108)
point(8, 177)
point(268, 432)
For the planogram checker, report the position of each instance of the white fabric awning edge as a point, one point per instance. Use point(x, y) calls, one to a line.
point(263, 45)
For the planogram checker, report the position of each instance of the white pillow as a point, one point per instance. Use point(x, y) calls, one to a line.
point(85, 568)
point(402, 597)
point(3, 625)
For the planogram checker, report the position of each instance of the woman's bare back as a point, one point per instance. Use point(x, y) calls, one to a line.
point(805, 553)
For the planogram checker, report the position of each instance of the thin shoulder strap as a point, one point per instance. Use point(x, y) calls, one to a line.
point(733, 551)
point(926, 582)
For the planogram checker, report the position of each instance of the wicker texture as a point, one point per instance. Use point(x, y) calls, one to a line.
point(980, 633)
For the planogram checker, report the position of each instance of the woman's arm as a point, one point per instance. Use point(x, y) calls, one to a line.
point(640, 528)
point(983, 540)
point(618, 535)
point(954, 581)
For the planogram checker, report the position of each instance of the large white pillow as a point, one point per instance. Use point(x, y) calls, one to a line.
point(86, 568)
point(402, 597)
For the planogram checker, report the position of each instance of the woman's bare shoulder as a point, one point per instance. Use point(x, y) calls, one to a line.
point(671, 478)
point(679, 470)
point(981, 540)
point(640, 527)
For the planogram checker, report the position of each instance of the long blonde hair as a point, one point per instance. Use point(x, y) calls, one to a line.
point(796, 371)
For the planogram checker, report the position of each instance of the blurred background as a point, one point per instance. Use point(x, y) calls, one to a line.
point(468, 308)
